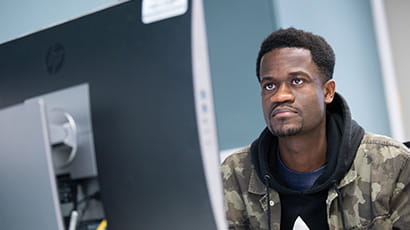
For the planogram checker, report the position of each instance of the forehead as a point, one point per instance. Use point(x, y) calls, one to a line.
point(287, 59)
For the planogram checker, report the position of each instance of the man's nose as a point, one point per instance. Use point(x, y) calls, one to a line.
point(284, 94)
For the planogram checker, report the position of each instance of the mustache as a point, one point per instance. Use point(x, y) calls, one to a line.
point(282, 107)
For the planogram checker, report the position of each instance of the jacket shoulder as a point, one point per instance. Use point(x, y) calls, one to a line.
point(239, 161)
point(379, 146)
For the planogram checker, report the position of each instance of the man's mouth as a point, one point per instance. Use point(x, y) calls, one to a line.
point(283, 112)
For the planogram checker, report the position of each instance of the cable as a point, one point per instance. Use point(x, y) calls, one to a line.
point(73, 220)
point(102, 225)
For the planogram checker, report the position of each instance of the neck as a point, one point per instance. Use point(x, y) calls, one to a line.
point(304, 152)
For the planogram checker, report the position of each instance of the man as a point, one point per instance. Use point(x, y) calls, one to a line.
point(313, 167)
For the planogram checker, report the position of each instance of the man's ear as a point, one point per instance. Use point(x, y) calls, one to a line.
point(329, 89)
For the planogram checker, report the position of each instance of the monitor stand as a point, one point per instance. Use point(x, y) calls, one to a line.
point(28, 191)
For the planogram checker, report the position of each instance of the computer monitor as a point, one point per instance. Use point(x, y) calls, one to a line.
point(151, 105)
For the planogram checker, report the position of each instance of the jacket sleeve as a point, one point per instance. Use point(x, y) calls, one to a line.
point(233, 200)
point(400, 202)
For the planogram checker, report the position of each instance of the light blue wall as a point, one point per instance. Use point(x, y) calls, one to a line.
point(22, 17)
point(348, 26)
point(235, 31)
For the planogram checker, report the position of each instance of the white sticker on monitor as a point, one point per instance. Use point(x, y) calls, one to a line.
point(156, 10)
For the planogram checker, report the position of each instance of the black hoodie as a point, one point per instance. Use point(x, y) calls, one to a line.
point(343, 139)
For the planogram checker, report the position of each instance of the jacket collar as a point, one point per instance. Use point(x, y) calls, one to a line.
point(255, 184)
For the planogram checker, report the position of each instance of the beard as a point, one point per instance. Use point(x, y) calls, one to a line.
point(283, 131)
point(286, 132)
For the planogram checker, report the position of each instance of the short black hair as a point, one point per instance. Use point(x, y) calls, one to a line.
point(322, 53)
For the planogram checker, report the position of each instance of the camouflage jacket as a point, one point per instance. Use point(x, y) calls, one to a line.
point(375, 190)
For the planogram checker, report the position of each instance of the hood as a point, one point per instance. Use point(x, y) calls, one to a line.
point(343, 139)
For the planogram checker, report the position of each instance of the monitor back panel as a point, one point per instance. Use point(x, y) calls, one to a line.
point(142, 105)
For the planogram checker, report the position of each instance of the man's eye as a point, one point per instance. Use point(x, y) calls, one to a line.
point(297, 81)
point(269, 86)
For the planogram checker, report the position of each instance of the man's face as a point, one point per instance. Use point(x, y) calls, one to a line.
point(293, 93)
